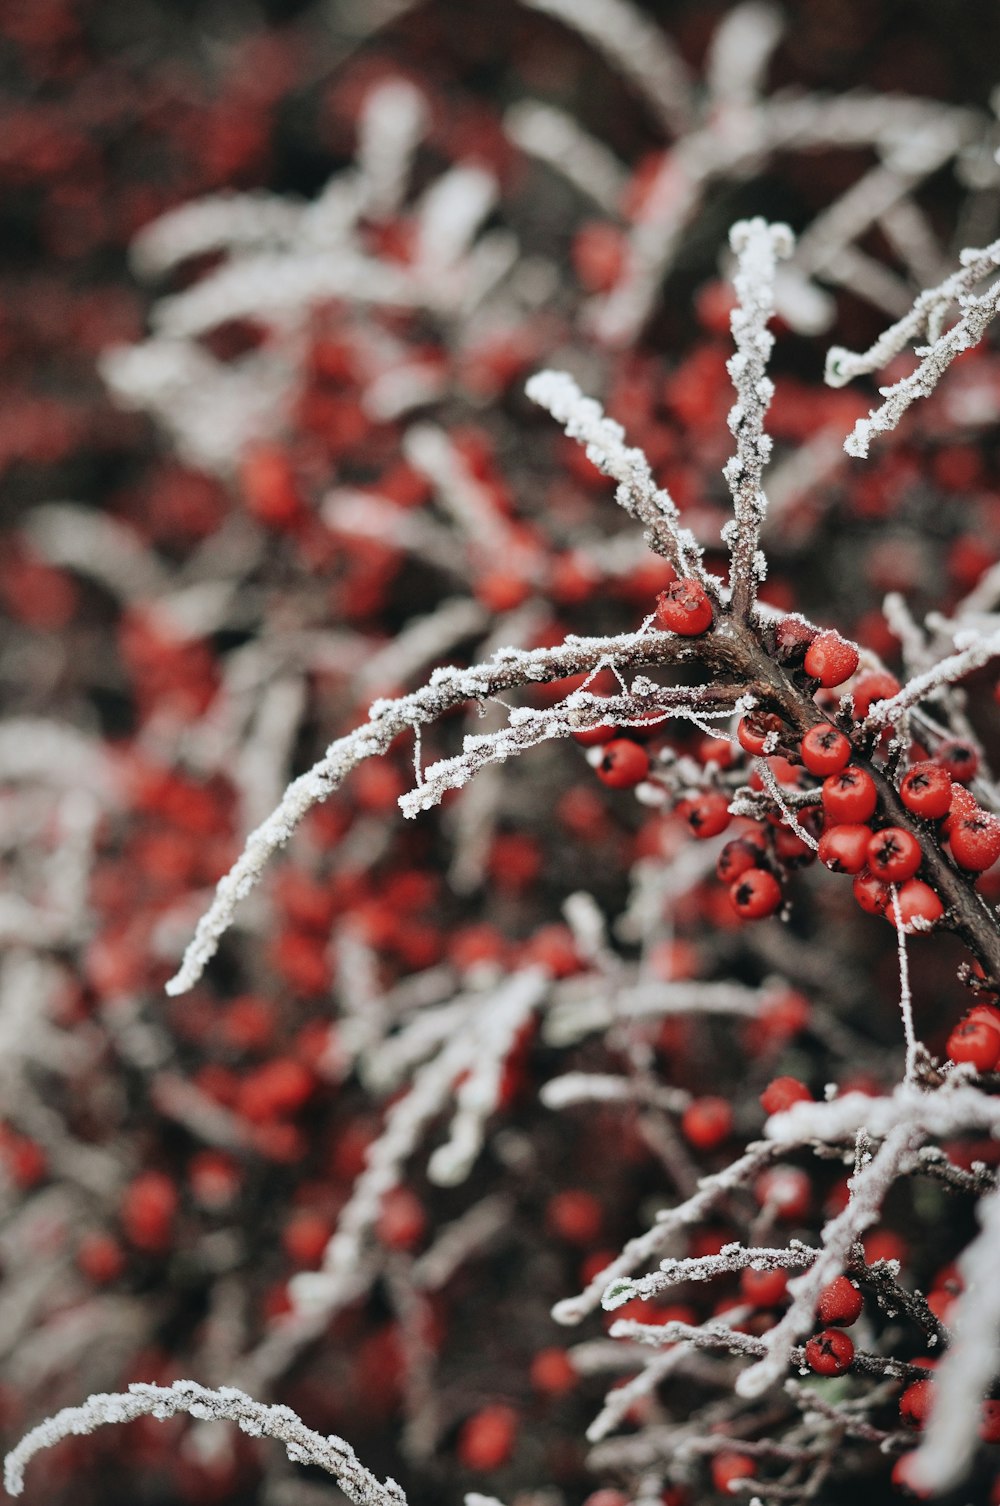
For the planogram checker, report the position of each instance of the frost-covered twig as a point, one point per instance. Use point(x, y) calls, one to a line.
point(757, 245)
point(926, 317)
point(447, 687)
point(970, 1363)
point(584, 420)
point(302, 1445)
point(974, 650)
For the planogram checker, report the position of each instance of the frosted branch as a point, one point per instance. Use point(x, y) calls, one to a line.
point(757, 246)
point(926, 317)
point(635, 48)
point(302, 1445)
point(968, 1368)
point(584, 420)
point(447, 687)
point(974, 650)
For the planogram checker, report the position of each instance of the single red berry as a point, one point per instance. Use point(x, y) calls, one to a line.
point(916, 1402)
point(975, 841)
point(754, 729)
point(792, 638)
point(736, 857)
point(707, 1122)
point(149, 1206)
point(101, 1258)
point(623, 764)
point(830, 659)
point(894, 854)
point(871, 893)
point(959, 758)
point(717, 750)
point(574, 1215)
point(917, 903)
point(785, 1189)
point(789, 847)
point(963, 803)
point(989, 1422)
point(874, 685)
point(976, 1042)
point(925, 789)
point(755, 894)
point(707, 815)
point(684, 608)
point(728, 1468)
point(487, 1438)
point(829, 1352)
point(844, 849)
point(764, 1288)
point(839, 1304)
point(402, 1221)
point(782, 1092)
point(552, 1372)
point(849, 796)
point(825, 750)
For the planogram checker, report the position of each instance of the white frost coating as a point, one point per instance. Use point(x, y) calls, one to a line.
point(601, 1087)
point(448, 216)
point(905, 996)
point(447, 687)
point(635, 47)
point(583, 419)
point(740, 50)
point(393, 120)
point(925, 318)
point(868, 1189)
point(98, 545)
point(758, 246)
point(430, 451)
point(227, 220)
point(495, 1027)
point(51, 753)
point(950, 1110)
point(558, 140)
point(971, 655)
point(970, 1364)
point(302, 1445)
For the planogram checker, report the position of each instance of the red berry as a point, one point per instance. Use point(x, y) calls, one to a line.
point(764, 1288)
point(728, 1468)
point(755, 894)
point(575, 1215)
point(623, 764)
point(825, 750)
point(487, 1438)
point(782, 1092)
point(975, 841)
point(894, 854)
point(839, 1304)
point(684, 608)
point(785, 1189)
point(963, 803)
point(830, 659)
point(149, 1206)
point(552, 1372)
point(976, 1042)
point(707, 815)
point(844, 849)
point(707, 1122)
point(917, 902)
point(849, 796)
point(925, 789)
point(792, 638)
point(101, 1258)
point(402, 1221)
point(959, 758)
point(989, 1425)
point(829, 1352)
point(874, 685)
point(916, 1402)
point(736, 857)
point(753, 730)
point(871, 893)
